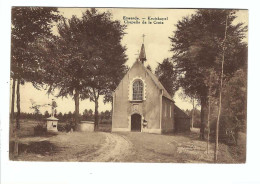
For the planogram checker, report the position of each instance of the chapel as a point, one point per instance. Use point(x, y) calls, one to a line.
point(141, 103)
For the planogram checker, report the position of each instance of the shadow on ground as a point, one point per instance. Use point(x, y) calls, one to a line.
point(42, 148)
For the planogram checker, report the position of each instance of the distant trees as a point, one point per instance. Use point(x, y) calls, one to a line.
point(60, 115)
point(149, 67)
point(195, 113)
point(106, 115)
point(87, 115)
point(197, 47)
point(167, 76)
point(46, 114)
point(35, 107)
point(234, 104)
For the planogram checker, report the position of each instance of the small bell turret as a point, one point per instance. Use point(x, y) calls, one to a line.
point(142, 55)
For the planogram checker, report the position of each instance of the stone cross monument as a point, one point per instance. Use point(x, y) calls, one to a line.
point(52, 122)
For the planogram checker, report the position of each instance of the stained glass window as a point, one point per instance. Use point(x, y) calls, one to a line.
point(138, 90)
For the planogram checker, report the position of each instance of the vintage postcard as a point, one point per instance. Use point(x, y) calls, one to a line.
point(128, 85)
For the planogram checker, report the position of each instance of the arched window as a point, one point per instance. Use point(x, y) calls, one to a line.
point(138, 90)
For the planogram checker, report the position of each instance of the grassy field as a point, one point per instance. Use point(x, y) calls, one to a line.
point(60, 146)
point(177, 148)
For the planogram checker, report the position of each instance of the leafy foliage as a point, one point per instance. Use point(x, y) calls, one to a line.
point(87, 114)
point(233, 117)
point(149, 67)
point(108, 56)
point(196, 123)
point(67, 117)
point(28, 25)
point(106, 65)
point(35, 107)
point(197, 47)
point(235, 101)
point(167, 76)
point(40, 129)
point(46, 114)
point(87, 57)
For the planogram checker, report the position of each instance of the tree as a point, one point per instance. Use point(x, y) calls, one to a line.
point(191, 99)
point(107, 114)
point(106, 65)
point(221, 86)
point(90, 113)
point(196, 116)
point(28, 24)
point(12, 102)
point(193, 112)
point(87, 114)
point(67, 60)
point(233, 116)
point(69, 115)
point(197, 48)
point(60, 116)
point(36, 108)
point(149, 68)
point(87, 58)
point(167, 76)
point(46, 114)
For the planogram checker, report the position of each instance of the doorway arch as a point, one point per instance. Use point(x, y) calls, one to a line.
point(136, 122)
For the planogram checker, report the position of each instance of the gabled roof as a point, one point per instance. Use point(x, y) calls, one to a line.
point(179, 113)
point(157, 82)
point(153, 77)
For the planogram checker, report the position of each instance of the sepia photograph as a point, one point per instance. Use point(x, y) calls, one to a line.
point(138, 85)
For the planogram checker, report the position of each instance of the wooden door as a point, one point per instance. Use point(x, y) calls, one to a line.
point(136, 122)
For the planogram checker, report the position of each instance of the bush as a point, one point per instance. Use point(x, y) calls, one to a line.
point(227, 130)
point(61, 127)
point(65, 127)
point(106, 121)
point(40, 129)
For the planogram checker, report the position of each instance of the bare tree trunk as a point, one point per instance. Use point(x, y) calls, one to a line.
point(192, 115)
point(95, 96)
point(112, 105)
point(17, 125)
point(13, 99)
point(203, 117)
point(220, 93)
point(208, 126)
point(18, 104)
point(15, 153)
point(96, 113)
point(76, 99)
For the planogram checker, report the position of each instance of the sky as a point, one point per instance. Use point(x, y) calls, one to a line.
point(157, 47)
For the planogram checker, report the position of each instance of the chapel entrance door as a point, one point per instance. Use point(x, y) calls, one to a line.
point(136, 123)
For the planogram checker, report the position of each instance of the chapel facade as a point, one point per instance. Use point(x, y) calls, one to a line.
point(141, 103)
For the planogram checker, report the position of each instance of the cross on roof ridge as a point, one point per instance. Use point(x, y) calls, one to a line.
point(143, 37)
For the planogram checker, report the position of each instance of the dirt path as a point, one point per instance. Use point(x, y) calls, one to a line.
point(115, 149)
point(120, 147)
